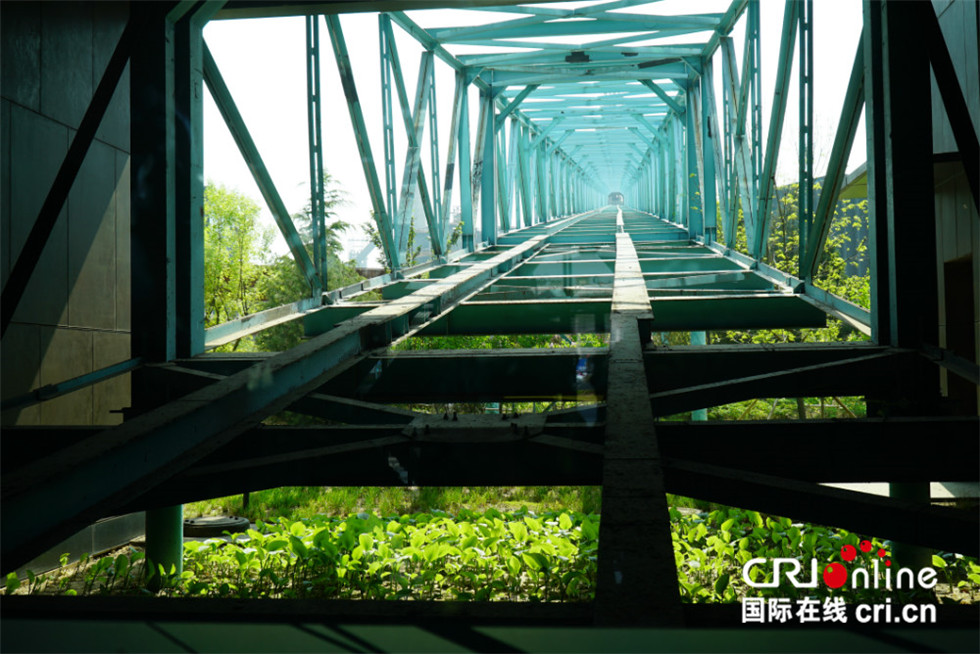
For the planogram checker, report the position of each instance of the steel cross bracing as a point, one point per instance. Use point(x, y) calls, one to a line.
point(578, 275)
point(574, 104)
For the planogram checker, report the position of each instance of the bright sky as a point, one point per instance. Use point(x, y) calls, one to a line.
point(263, 64)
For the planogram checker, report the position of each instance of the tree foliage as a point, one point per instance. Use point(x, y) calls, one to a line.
point(235, 245)
point(333, 197)
point(412, 251)
point(242, 278)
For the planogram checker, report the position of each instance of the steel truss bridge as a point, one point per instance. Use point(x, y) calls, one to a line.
point(624, 101)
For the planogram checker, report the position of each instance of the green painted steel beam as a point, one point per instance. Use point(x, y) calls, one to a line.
point(669, 101)
point(608, 23)
point(41, 505)
point(706, 158)
point(592, 316)
point(716, 444)
point(381, 217)
point(552, 53)
point(718, 144)
point(725, 25)
point(632, 474)
point(465, 166)
point(860, 375)
point(836, 166)
point(695, 210)
point(236, 125)
point(387, 112)
point(412, 171)
point(414, 122)
point(519, 375)
point(767, 179)
point(518, 75)
point(315, 136)
point(435, 219)
point(459, 100)
point(733, 280)
point(857, 317)
point(743, 165)
point(514, 104)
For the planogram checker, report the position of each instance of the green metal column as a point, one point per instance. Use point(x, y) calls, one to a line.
point(806, 125)
point(699, 338)
point(435, 225)
point(709, 200)
point(387, 114)
point(767, 180)
point(153, 217)
point(465, 172)
point(165, 541)
point(189, 182)
point(315, 135)
point(902, 213)
point(695, 217)
point(488, 192)
point(381, 216)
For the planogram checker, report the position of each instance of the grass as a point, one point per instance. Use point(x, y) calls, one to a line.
point(298, 502)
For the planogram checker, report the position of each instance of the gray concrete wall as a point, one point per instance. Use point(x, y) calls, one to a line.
point(74, 317)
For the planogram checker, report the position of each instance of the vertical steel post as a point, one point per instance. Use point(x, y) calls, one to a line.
point(767, 180)
point(412, 172)
point(806, 127)
point(755, 92)
point(189, 183)
point(152, 224)
point(709, 198)
point(315, 133)
point(731, 198)
point(503, 193)
point(346, 72)
point(488, 191)
point(387, 110)
point(459, 98)
point(874, 101)
point(900, 176)
point(165, 542)
point(695, 215)
point(527, 208)
point(465, 171)
point(699, 338)
point(437, 218)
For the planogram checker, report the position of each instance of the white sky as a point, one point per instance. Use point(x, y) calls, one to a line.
point(263, 64)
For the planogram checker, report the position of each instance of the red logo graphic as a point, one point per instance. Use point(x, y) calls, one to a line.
point(835, 574)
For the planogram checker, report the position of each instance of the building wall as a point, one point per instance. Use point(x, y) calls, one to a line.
point(74, 317)
point(957, 221)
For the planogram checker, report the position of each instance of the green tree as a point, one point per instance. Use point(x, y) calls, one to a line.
point(333, 197)
point(234, 247)
point(281, 281)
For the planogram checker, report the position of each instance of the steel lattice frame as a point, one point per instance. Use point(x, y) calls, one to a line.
point(560, 127)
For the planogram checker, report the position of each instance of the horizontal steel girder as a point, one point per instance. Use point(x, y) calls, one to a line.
point(679, 376)
point(41, 502)
point(592, 316)
point(753, 446)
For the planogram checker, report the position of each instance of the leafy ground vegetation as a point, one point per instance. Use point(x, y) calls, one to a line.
point(525, 544)
point(483, 555)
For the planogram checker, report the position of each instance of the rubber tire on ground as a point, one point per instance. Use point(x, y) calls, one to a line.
point(214, 526)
